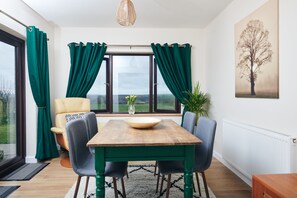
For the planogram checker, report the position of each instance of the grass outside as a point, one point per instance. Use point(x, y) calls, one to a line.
point(165, 102)
point(5, 136)
point(139, 108)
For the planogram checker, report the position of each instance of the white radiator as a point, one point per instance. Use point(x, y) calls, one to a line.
point(253, 150)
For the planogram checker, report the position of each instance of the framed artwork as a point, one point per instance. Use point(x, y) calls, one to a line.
point(256, 53)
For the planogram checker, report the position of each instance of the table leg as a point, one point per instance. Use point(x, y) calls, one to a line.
point(188, 172)
point(100, 169)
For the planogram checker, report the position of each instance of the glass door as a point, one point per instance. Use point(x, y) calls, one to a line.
point(12, 103)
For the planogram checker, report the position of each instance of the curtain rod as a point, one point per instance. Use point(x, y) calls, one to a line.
point(131, 46)
point(14, 19)
point(18, 21)
point(114, 45)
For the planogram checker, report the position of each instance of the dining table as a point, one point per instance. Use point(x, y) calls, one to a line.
point(118, 141)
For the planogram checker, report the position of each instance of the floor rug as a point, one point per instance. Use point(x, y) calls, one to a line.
point(7, 190)
point(141, 183)
point(25, 172)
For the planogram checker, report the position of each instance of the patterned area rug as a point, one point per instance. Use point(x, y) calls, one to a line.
point(141, 183)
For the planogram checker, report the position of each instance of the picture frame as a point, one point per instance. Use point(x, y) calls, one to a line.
point(257, 53)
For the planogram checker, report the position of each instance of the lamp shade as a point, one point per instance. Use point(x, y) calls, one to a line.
point(126, 14)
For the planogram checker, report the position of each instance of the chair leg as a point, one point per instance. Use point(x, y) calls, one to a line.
point(168, 185)
point(155, 171)
point(115, 187)
point(123, 188)
point(86, 187)
point(205, 185)
point(77, 186)
point(198, 183)
point(127, 174)
point(161, 187)
point(158, 179)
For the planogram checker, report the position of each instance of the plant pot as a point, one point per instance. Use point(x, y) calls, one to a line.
point(131, 109)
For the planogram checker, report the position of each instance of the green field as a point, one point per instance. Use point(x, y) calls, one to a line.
point(165, 102)
point(5, 136)
point(139, 108)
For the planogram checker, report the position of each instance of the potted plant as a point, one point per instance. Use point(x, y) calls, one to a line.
point(131, 103)
point(197, 101)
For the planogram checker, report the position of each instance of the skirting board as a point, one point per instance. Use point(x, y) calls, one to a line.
point(30, 159)
point(219, 157)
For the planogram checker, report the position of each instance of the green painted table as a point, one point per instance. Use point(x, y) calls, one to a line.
point(166, 141)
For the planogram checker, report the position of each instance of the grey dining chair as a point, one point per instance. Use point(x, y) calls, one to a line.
point(189, 121)
point(82, 160)
point(205, 131)
point(91, 121)
point(189, 125)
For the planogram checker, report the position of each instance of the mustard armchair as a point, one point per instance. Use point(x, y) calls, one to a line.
point(67, 107)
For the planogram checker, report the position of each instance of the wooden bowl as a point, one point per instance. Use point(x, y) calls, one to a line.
point(142, 122)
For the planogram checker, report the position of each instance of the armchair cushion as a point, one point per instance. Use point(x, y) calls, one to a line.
point(74, 116)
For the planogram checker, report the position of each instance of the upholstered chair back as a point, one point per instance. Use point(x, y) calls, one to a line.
point(189, 121)
point(66, 106)
point(67, 109)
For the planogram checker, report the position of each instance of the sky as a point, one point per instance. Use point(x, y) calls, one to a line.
point(130, 77)
point(7, 66)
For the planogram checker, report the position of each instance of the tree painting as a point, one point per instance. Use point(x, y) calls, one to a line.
point(254, 52)
point(256, 39)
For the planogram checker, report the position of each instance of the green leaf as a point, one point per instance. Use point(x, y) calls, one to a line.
point(197, 101)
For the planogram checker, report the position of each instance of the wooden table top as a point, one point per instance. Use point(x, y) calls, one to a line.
point(119, 133)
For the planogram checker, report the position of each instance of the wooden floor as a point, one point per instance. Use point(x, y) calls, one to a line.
point(55, 181)
point(225, 184)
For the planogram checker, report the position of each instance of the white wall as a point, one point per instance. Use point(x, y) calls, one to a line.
point(274, 114)
point(22, 12)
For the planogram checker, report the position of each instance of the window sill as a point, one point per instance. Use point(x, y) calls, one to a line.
point(140, 115)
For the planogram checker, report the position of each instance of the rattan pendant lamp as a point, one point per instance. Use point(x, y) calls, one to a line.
point(126, 14)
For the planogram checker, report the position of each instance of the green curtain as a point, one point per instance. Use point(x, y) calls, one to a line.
point(174, 63)
point(39, 81)
point(85, 64)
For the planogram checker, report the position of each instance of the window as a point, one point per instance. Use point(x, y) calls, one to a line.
point(12, 103)
point(131, 74)
point(165, 101)
point(99, 93)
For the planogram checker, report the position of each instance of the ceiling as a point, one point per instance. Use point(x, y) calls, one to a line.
point(150, 13)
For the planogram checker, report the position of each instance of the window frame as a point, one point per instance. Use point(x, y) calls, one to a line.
point(107, 89)
point(20, 94)
point(152, 86)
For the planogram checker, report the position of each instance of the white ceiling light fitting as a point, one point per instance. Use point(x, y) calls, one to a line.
point(126, 14)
